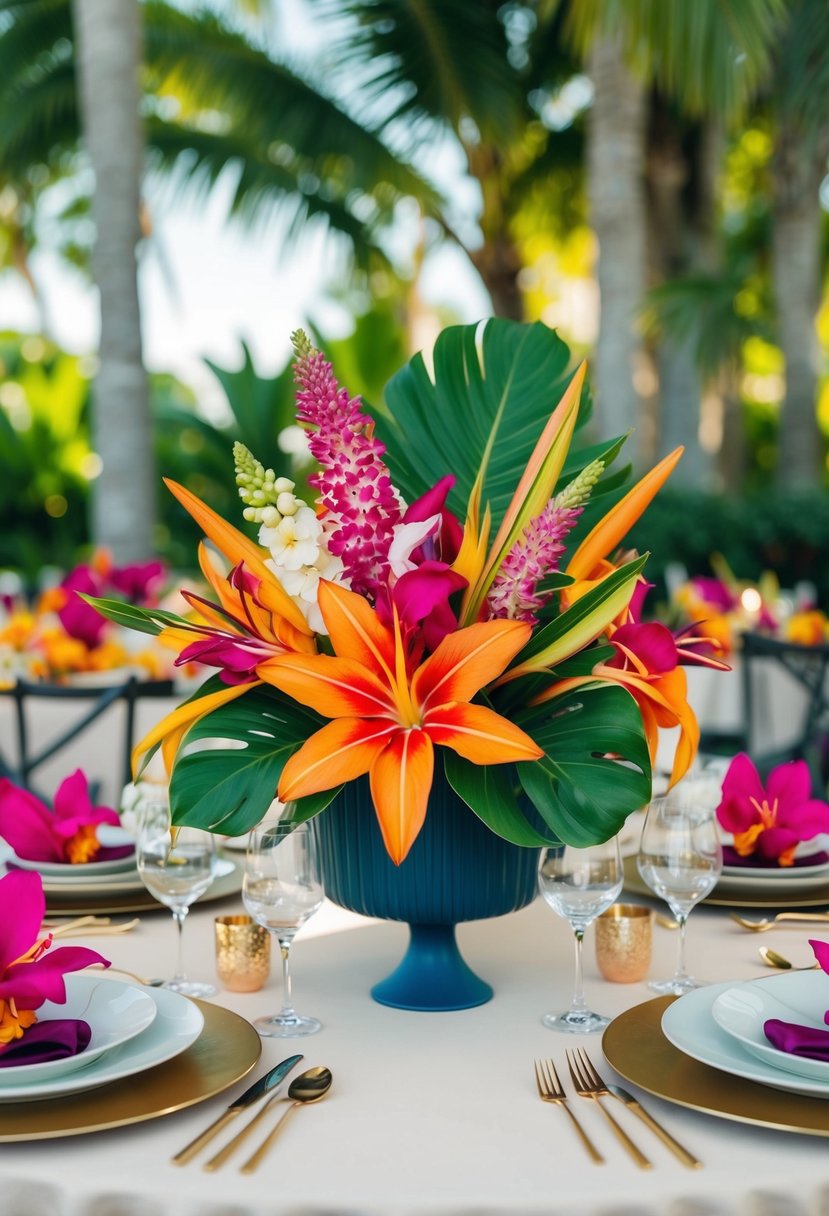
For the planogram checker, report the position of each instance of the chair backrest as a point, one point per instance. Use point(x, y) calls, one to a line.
point(808, 668)
point(110, 754)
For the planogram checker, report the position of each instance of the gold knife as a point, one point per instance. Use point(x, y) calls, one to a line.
point(667, 1139)
point(250, 1095)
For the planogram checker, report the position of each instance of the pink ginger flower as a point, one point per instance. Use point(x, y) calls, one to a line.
point(361, 506)
point(514, 593)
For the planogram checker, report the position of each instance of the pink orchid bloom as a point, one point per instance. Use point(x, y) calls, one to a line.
point(79, 619)
point(714, 591)
point(448, 537)
point(69, 834)
point(770, 821)
point(30, 973)
point(821, 953)
point(140, 582)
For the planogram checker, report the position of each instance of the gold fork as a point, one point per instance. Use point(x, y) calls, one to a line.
point(760, 926)
point(628, 1100)
point(586, 1087)
point(550, 1089)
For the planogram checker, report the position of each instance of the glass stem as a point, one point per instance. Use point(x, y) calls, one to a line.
point(681, 973)
point(179, 916)
point(579, 1002)
point(287, 993)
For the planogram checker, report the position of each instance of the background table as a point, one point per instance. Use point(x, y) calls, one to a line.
point(431, 1114)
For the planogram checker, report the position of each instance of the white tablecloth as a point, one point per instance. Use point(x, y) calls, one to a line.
point(431, 1114)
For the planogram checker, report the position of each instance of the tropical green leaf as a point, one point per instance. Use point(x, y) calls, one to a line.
point(596, 769)
point(583, 621)
point(494, 388)
point(228, 788)
point(144, 620)
point(492, 792)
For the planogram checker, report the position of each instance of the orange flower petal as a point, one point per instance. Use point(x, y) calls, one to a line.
point(339, 752)
point(479, 734)
point(237, 547)
point(467, 660)
point(355, 629)
point(401, 778)
point(333, 687)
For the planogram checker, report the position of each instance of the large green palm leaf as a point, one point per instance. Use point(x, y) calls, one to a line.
point(493, 390)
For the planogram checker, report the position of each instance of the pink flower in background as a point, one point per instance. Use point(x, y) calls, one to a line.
point(770, 821)
point(79, 619)
point(30, 973)
point(69, 834)
point(139, 583)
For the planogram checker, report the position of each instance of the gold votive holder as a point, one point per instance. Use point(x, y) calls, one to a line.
point(243, 953)
point(624, 935)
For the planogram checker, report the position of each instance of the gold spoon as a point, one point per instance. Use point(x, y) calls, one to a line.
point(772, 959)
point(761, 926)
point(311, 1086)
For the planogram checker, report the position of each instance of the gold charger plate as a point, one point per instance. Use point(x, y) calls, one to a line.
point(636, 1047)
point(85, 903)
point(751, 896)
point(225, 1051)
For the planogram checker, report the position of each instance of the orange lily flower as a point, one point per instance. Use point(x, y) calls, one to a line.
point(387, 718)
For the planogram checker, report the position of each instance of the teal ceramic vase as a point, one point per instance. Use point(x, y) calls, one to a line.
point(457, 870)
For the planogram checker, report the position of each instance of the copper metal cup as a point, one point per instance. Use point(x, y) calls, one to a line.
point(243, 953)
point(624, 935)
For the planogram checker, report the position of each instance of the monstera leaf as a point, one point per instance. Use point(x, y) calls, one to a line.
point(494, 388)
point(228, 785)
point(594, 773)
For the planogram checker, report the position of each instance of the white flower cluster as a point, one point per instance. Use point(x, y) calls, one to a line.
point(299, 556)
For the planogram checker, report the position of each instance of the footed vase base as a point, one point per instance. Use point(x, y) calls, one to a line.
point(432, 975)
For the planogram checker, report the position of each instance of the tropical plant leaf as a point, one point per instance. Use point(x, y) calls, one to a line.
point(494, 389)
point(144, 620)
point(492, 792)
point(596, 769)
point(228, 788)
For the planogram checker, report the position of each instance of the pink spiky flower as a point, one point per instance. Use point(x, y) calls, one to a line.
point(361, 506)
point(514, 593)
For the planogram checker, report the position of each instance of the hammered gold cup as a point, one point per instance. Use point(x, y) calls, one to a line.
point(624, 935)
point(243, 953)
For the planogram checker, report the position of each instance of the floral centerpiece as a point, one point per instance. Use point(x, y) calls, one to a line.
point(440, 647)
point(456, 596)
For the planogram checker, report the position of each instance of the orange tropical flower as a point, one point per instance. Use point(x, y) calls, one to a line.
point(387, 718)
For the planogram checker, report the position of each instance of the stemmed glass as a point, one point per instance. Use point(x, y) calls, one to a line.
point(282, 888)
point(680, 859)
point(579, 884)
point(176, 866)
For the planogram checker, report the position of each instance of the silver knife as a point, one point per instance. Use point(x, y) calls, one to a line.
point(250, 1095)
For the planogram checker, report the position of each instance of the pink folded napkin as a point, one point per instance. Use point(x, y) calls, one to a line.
point(808, 1041)
point(731, 857)
point(51, 1040)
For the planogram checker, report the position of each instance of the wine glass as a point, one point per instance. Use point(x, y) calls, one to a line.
point(680, 859)
point(579, 884)
point(176, 866)
point(282, 888)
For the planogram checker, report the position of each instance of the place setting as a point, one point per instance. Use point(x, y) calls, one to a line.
point(85, 854)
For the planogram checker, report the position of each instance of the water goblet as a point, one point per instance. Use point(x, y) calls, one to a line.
point(282, 888)
point(176, 866)
point(579, 884)
point(680, 859)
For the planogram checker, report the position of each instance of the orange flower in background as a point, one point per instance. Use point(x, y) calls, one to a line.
point(807, 628)
point(388, 718)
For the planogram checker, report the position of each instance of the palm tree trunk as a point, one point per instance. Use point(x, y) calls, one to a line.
point(108, 58)
point(797, 168)
point(615, 169)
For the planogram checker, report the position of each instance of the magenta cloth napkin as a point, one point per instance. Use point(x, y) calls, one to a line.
point(731, 857)
point(809, 1041)
point(52, 1040)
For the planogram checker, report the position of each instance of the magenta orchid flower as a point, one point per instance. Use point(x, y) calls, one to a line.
point(770, 821)
point(140, 582)
point(67, 834)
point(79, 619)
point(30, 973)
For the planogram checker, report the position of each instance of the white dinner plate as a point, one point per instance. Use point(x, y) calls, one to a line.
point(84, 870)
point(689, 1025)
point(774, 882)
point(116, 1012)
point(113, 883)
point(177, 1024)
point(742, 1010)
